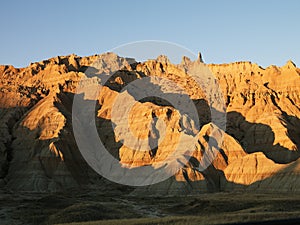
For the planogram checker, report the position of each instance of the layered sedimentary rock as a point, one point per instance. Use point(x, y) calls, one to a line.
point(260, 148)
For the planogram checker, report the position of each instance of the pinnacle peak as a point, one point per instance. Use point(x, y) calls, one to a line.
point(289, 65)
point(199, 58)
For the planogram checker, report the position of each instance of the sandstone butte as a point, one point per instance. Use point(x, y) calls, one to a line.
point(260, 149)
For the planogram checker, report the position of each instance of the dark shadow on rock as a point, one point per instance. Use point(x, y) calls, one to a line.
point(104, 127)
point(89, 71)
point(257, 137)
point(68, 173)
point(9, 118)
point(292, 124)
point(161, 97)
point(215, 178)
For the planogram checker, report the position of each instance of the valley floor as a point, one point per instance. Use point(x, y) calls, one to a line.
point(97, 207)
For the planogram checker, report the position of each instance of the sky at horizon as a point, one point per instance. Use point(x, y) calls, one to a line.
point(263, 32)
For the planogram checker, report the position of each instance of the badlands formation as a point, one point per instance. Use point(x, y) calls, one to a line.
point(259, 152)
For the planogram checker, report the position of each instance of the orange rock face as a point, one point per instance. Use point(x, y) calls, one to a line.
point(259, 151)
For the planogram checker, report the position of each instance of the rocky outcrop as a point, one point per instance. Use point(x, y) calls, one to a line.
point(260, 148)
point(263, 113)
point(257, 172)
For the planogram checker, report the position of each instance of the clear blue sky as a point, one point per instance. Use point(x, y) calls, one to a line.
point(262, 31)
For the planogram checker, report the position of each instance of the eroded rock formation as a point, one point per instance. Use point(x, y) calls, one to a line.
point(260, 150)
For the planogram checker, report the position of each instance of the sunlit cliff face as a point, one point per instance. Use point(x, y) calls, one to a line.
point(260, 149)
